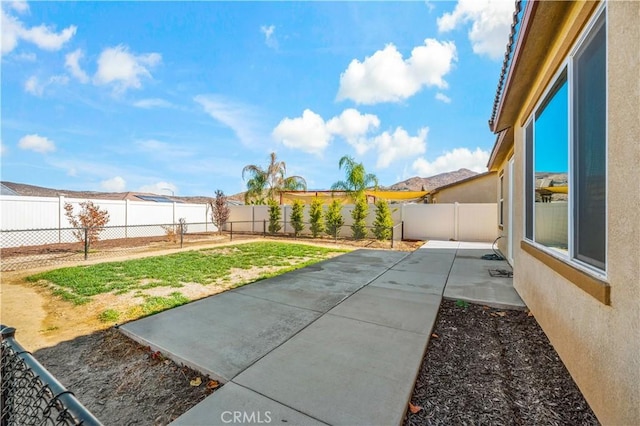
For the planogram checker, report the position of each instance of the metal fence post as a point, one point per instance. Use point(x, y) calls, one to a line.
point(86, 243)
point(402, 231)
point(264, 228)
point(181, 234)
point(231, 226)
point(392, 228)
point(7, 387)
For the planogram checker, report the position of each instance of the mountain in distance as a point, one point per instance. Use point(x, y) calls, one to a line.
point(411, 184)
point(428, 183)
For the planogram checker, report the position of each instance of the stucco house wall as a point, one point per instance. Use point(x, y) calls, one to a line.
point(597, 335)
point(478, 189)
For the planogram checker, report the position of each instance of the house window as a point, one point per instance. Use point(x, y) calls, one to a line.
point(565, 157)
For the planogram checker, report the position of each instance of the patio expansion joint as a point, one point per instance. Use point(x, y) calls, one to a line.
point(279, 303)
point(278, 402)
point(379, 325)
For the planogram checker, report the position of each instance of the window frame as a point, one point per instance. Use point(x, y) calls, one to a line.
point(566, 66)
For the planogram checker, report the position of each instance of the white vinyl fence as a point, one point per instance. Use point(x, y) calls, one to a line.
point(19, 213)
point(464, 222)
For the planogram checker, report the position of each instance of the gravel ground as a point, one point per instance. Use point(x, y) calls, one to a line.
point(490, 366)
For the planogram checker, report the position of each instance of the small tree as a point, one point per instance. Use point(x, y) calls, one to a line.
point(333, 218)
point(90, 217)
point(359, 214)
point(219, 210)
point(315, 217)
point(274, 216)
point(383, 222)
point(297, 217)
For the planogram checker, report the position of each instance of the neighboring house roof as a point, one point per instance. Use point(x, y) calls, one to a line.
point(460, 182)
point(5, 190)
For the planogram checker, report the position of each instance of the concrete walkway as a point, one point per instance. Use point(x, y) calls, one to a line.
point(339, 342)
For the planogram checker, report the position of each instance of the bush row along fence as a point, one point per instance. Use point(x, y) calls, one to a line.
point(30, 395)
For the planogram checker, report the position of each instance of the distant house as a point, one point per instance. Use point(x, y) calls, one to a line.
point(481, 188)
point(570, 106)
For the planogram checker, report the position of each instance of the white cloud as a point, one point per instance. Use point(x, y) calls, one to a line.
point(25, 56)
point(165, 188)
point(387, 77)
point(152, 103)
point(307, 133)
point(310, 133)
point(3, 148)
point(123, 69)
point(34, 86)
point(19, 6)
point(269, 36)
point(353, 127)
point(43, 36)
point(36, 143)
point(399, 145)
point(442, 97)
point(72, 63)
point(116, 184)
point(242, 119)
point(453, 160)
point(491, 21)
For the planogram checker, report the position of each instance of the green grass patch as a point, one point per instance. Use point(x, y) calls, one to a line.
point(79, 283)
point(109, 315)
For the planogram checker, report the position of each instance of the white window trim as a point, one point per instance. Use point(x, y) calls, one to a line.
point(567, 64)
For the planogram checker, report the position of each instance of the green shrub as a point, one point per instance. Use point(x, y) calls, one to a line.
point(274, 216)
point(383, 223)
point(359, 214)
point(316, 218)
point(333, 218)
point(297, 216)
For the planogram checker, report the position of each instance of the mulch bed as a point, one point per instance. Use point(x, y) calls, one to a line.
point(122, 382)
point(491, 366)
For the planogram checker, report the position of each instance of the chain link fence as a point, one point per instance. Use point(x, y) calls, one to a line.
point(32, 248)
point(30, 395)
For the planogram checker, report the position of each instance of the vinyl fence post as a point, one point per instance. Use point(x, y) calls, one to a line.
point(86, 243)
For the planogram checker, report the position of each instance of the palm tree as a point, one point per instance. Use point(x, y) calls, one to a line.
point(357, 180)
point(264, 184)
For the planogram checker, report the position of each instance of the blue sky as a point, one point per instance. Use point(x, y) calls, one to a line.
point(180, 96)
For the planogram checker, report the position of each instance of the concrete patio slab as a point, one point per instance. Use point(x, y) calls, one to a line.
point(342, 371)
point(424, 282)
point(491, 291)
point(340, 271)
point(395, 308)
point(427, 262)
point(220, 335)
point(435, 244)
point(376, 258)
point(234, 404)
point(303, 291)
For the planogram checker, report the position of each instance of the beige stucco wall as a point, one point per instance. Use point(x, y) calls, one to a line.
point(599, 344)
point(479, 190)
